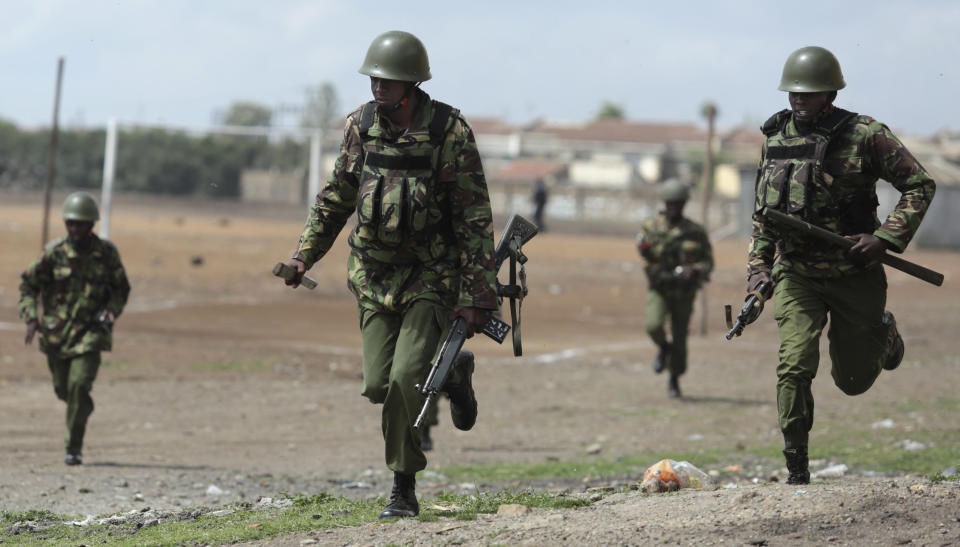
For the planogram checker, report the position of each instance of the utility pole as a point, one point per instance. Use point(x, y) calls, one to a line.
point(709, 111)
point(51, 156)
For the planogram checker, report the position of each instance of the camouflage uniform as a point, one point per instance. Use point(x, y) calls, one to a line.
point(828, 177)
point(423, 243)
point(74, 286)
point(672, 247)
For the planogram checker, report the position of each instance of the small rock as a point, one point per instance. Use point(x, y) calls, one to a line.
point(910, 446)
point(918, 489)
point(196, 260)
point(883, 424)
point(831, 472)
point(949, 472)
point(356, 484)
point(596, 496)
point(513, 510)
point(220, 513)
point(594, 448)
point(212, 490)
point(85, 490)
point(138, 497)
point(308, 541)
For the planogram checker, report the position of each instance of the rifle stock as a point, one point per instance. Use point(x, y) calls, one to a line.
point(905, 266)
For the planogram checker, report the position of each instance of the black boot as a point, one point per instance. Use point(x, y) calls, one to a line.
point(463, 402)
point(403, 497)
point(895, 347)
point(673, 387)
point(73, 458)
point(797, 465)
point(426, 443)
point(660, 361)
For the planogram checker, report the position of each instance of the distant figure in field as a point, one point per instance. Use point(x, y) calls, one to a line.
point(83, 287)
point(679, 260)
point(539, 198)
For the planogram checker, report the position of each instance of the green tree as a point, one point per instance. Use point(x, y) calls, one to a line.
point(248, 113)
point(610, 111)
point(321, 106)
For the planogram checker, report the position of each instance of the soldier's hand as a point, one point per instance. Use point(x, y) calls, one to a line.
point(476, 318)
point(867, 247)
point(756, 279)
point(32, 327)
point(301, 269)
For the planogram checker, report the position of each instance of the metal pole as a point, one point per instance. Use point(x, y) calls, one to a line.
point(316, 155)
point(109, 168)
point(710, 111)
point(51, 156)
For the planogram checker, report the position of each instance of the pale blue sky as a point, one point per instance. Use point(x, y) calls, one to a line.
point(179, 61)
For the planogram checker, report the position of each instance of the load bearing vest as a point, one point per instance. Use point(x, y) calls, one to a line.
point(792, 166)
point(398, 195)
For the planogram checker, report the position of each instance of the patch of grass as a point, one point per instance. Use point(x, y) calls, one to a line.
point(867, 449)
point(307, 513)
point(7, 518)
point(468, 507)
point(628, 465)
point(940, 477)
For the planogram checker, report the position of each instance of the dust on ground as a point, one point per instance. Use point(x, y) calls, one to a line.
point(222, 377)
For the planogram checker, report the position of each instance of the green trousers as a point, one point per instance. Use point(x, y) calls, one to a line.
point(857, 336)
point(72, 381)
point(678, 307)
point(398, 349)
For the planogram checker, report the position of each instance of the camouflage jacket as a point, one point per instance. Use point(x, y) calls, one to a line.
point(424, 224)
point(670, 247)
point(74, 287)
point(836, 191)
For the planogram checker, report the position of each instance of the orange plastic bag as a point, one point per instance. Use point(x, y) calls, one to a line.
point(660, 477)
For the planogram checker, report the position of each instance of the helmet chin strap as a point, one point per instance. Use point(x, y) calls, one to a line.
point(406, 97)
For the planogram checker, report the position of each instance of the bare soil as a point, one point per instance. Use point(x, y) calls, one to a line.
point(222, 376)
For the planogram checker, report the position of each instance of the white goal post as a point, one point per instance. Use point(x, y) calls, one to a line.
point(110, 154)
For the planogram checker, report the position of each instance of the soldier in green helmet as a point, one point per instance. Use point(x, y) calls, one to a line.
point(422, 250)
point(82, 287)
point(821, 163)
point(678, 261)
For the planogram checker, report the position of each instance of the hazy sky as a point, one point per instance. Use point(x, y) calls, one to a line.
point(179, 61)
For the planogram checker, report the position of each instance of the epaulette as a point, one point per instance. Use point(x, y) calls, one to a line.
point(837, 118)
point(775, 123)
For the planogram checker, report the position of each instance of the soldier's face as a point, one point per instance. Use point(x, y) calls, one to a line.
point(674, 209)
point(78, 230)
point(806, 106)
point(387, 92)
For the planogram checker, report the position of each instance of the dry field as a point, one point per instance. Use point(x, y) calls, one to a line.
point(222, 376)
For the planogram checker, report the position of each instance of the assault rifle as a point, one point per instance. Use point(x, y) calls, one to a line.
point(517, 232)
point(905, 266)
point(752, 308)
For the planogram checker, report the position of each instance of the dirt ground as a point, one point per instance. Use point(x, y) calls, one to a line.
point(222, 377)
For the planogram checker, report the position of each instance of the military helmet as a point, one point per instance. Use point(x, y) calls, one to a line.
point(397, 55)
point(80, 206)
point(674, 190)
point(811, 69)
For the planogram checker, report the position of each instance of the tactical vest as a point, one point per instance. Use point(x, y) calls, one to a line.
point(792, 167)
point(399, 197)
